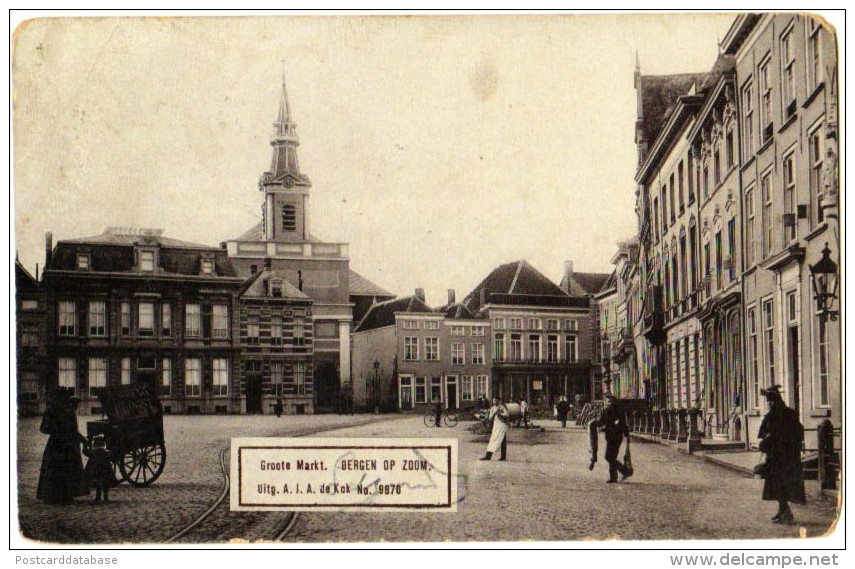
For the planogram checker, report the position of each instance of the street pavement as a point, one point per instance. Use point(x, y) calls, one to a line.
point(543, 492)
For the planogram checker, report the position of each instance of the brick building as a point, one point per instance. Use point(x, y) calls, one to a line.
point(31, 335)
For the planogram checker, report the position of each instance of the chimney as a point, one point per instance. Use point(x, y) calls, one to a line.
point(268, 262)
point(451, 295)
point(48, 248)
point(420, 294)
point(483, 297)
point(300, 280)
point(37, 272)
point(568, 272)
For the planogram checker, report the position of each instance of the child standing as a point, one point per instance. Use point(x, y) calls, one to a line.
point(99, 470)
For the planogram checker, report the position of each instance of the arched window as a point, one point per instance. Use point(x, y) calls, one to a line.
point(289, 217)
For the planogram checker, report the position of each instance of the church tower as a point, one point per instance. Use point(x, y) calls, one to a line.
point(285, 188)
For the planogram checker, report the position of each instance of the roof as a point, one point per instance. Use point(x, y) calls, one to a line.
point(255, 233)
point(256, 286)
point(582, 284)
point(610, 283)
point(116, 236)
point(514, 283)
point(382, 314)
point(457, 311)
point(23, 279)
point(360, 286)
point(659, 94)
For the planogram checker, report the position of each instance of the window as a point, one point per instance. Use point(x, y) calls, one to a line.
point(680, 183)
point(731, 248)
point(207, 266)
point(748, 120)
point(477, 330)
point(30, 336)
point(572, 325)
point(276, 369)
point(815, 165)
point(534, 323)
point(552, 348)
point(67, 376)
point(814, 57)
point(467, 388)
point(275, 288)
point(516, 323)
point(221, 321)
point(193, 377)
point(411, 348)
point(192, 321)
point(421, 394)
point(326, 329)
point(499, 347)
point(718, 263)
point(29, 305)
point(146, 318)
point(432, 349)
point(789, 197)
point(435, 389)
point(749, 227)
point(97, 374)
point(165, 320)
point(477, 353)
point(824, 384)
point(125, 318)
point(166, 377)
point(458, 331)
point(655, 219)
point(516, 347)
point(672, 202)
point(706, 181)
point(67, 318)
point(458, 353)
point(663, 198)
point(146, 260)
point(766, 188)
point(126, 371)
point(299, 331)
point(300, 378)
point(276, 330)
point(716, 167)
point(753, 362)
point(499, 323)
point(289, 217)
point(252, 329)
point(571, 348)
point(552, 324)
point(707, 272)
point(728, 149)
point(221, 377)
point(83, 262)
point(534, 347)
point(97, 318)
point(482, 385)
point(411, 324)
point(788, 80)
point(689, 173)
point(769, 342)
point(765, 79)
point(431, 325)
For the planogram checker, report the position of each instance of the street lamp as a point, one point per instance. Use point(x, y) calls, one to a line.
point(823, 276)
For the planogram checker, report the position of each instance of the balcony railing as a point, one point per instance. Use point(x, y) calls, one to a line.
point(539, 362)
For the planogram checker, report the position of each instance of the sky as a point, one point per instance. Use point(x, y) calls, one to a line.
point(438, 147)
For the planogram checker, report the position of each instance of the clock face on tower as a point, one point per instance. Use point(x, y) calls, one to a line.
point(289, 182)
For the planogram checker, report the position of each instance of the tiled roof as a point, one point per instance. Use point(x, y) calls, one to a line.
point(581, 284)
point(518, 279)
point(383, 313)
point(659, 93)
point(256, 286)
point(111, 238)
point(360, 286)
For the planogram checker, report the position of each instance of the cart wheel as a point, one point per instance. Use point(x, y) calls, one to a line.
point(141, 466)
point(430, 421)
point(451, 419)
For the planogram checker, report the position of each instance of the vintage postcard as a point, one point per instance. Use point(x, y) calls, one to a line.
point(426, 278)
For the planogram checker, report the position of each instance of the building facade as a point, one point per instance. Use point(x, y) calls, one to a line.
point(31, 334)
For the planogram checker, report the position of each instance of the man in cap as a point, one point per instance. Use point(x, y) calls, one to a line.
point(782, 436)
point(613, 422)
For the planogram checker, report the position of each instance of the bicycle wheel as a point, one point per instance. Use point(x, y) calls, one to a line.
point(430, 421)
point(450, 419)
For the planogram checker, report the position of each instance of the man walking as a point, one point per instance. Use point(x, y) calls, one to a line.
point(613, 422)
point(782, 436)
point(563, 408)
point(499, 436)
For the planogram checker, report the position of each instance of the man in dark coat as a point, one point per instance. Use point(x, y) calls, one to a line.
point(613, 422)
point(61, 477)
point(563, 409)
point(782, 436)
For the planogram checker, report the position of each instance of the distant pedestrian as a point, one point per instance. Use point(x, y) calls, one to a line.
point(61, 477)
point(563, 408)
point(524, 411)
point(613, 422)
point(782, 436)
point(99, 469)
point(499, 435)
point(277, 407)
point(437, 414)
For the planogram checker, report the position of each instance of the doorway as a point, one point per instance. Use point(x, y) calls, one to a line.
point(253, 393)
point(451, 392)
point(326, 387)
point(793, 351)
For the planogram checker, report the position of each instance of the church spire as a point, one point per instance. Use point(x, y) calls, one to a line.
point(284, 107)
point(284, 166)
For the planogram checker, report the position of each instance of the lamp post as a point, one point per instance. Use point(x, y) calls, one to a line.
point(375, 396)
point(823, 276)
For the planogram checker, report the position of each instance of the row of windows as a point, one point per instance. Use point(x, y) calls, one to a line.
point(535, 350)
point(534, 324)
point(429, 390)
point(146, 258)
point(431, 351)
point(435, 325)
point(253, 330)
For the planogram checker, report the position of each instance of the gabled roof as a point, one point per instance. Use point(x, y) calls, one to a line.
point(513, 283)
point(360, 286)
point(23, 279)
point(256, 286)
point(581, 284)
point(382, 314)
point(610, 284)
point(457, 311)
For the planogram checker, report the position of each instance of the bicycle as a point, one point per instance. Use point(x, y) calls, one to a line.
point(449, 417)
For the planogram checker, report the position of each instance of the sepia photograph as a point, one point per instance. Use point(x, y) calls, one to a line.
point(426, 278)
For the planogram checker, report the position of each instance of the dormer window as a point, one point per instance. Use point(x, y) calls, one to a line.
point(207, 266)
point(147, 261)
point(276, 288)
point(83, 261)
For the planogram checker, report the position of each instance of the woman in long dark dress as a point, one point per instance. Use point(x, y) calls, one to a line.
point(61, 478)
point(782, 436)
